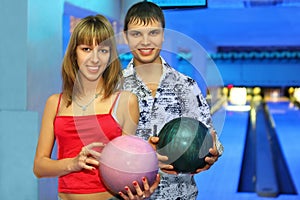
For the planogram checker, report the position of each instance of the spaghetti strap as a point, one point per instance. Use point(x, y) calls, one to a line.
point(58, 105)
point(113, 105)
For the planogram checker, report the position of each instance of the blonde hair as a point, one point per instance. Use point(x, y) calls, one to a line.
point(91, 28)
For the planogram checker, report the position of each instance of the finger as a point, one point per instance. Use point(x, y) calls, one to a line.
point(146, 187)
point(206, 167)
point(153, 142)
point(162, 165)
point(123, 196)
point(92, 161)
point(129, 193)
point(88, 167)
point(84, 151)
point(213, 134)
point(87, 150)
point(155, 184)
point(95, 144)
point(86, 164)
point(137, 188)
point(153, 139)
point(213, 156)
point(95, 154)
point(214, 137)
point(210, 160)
point(213, 152)
point(161, 157)
point(145, 183)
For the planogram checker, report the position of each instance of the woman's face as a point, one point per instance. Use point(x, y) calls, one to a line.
point(92, 60)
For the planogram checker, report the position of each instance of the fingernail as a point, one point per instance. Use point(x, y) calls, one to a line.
point(134, 183)
point(120, 193)
point(126, 188)
point(144, 179)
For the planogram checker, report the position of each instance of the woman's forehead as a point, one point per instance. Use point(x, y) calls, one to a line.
point(94, 40)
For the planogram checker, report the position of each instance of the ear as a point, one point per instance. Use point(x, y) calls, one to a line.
point(125, 37)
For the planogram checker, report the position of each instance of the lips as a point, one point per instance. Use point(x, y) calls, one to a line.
point(146, 52)
point(93, 69)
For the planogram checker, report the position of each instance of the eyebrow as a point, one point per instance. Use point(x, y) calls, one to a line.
point(148, 29)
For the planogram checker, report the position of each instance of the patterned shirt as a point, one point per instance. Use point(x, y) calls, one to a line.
point(177, 95)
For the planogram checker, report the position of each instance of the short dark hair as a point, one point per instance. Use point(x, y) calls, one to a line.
point(146, 12)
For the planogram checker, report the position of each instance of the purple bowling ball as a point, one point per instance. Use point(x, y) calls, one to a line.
point(126, 159)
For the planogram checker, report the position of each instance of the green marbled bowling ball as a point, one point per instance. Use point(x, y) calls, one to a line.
point(186, 142)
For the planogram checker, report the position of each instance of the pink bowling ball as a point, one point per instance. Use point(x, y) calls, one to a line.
point(126, 159)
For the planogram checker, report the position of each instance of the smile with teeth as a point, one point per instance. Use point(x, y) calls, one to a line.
point(93, 68)
point(146, 51)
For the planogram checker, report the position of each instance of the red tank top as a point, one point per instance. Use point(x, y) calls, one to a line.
point(74, 132)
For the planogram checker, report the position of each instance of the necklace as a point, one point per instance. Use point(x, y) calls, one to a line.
point(84, 107)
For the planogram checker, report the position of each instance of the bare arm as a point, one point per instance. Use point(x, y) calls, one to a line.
point(130, 118)
point(129, 113)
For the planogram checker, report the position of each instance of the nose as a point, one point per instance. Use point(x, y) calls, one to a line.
point(146, 40)
point(95, 56)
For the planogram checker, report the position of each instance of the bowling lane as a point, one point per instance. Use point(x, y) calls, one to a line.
point(221, 181)
point(286, 118)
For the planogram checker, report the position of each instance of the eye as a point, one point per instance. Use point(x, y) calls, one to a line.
point(86, 49)
point(154, 32)
point(103, 50)
point(135, 33)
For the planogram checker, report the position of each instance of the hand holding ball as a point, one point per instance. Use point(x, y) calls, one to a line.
point(126, 159)
point(186, 142)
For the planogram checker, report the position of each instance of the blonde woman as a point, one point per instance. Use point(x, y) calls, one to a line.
point(88, 113)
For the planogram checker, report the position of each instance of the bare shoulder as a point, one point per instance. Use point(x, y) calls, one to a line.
point(52, 102)
point(53, 99)
point(128, 97)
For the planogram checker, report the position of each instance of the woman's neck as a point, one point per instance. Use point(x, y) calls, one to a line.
point(90, 88)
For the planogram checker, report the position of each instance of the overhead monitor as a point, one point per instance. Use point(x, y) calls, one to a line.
point(180, 3)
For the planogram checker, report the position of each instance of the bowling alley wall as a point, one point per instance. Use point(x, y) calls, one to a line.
point(218, 46)
point(252, 46)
